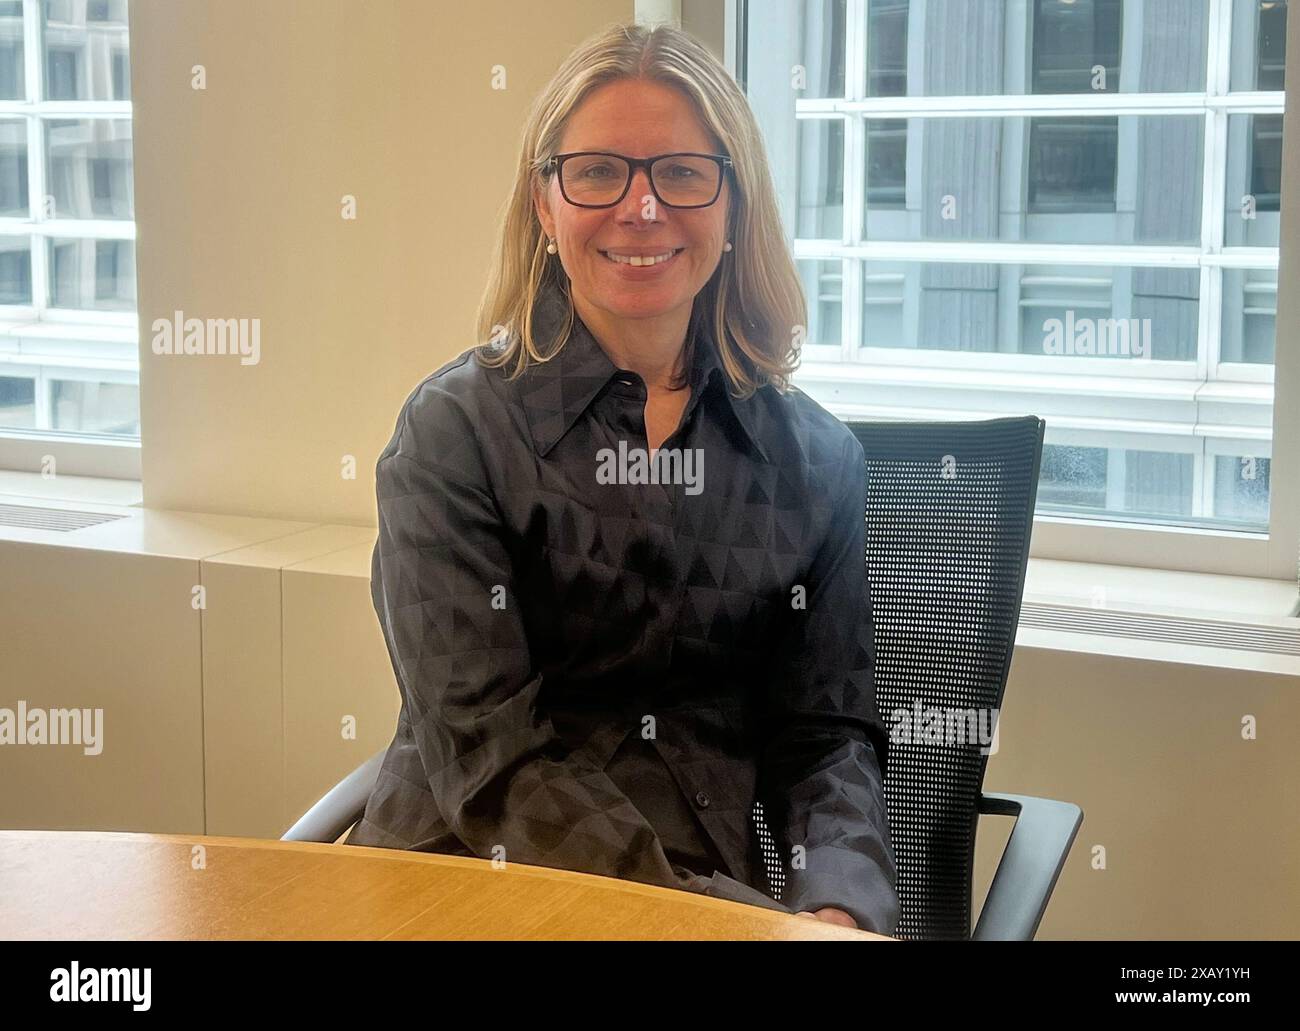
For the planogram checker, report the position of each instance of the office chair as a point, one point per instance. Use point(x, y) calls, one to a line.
point(949, 513)
point(341, 806)
point(950, 510)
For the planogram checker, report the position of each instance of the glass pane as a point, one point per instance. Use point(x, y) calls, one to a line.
point(823, 287)
point(1072, 164)
point(797, 49)
point(1117, 482)
point(86, 50)
point(1266, 161)
point(13, 168)
point(89, 168)
point(821, 178)
point(1241, 488)
point(17, 402)
point(1254, 181)
point(15, 270)
point(12, 69)
point(1104, 180)
point(886, 163)
point(1136, 482)
point(1157, 483)
point(1060, 311)
point(883, 324)
point(92, 274)
point(822, 47)
point(887, 48)
point(1249, 315)
point(1258, 44)
point(86, 406)
point(1076, 46)
point(1073, 477)
point(963, 48)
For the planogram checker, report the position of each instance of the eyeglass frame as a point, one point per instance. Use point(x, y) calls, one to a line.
point(556, 164)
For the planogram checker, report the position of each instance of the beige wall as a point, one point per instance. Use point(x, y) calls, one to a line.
point(227, 715)
point(238, 194)
point(707, 21)
point(103, 630)
point(1189, 830)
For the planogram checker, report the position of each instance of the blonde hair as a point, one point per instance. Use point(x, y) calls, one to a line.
point(754, 301)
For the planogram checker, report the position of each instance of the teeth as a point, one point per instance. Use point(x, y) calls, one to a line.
point(649, 259)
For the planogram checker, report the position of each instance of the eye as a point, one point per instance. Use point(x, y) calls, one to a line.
point(679, 171)
point(598, 171)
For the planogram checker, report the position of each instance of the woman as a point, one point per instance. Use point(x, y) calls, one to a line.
point(620, 560)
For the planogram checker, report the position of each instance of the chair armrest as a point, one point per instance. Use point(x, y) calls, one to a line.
point(1023, 884)
point(341, 807)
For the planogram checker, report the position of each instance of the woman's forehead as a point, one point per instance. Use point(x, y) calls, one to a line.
point(636, 117)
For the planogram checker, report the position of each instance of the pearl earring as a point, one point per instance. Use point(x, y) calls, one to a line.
point(727, 246)
point(551, 248)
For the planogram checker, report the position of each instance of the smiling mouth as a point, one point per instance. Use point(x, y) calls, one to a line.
point(638, 261)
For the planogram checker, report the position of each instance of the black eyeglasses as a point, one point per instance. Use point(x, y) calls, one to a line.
point(598, 179)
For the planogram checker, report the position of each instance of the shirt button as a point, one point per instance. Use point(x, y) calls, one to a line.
point(702, 800)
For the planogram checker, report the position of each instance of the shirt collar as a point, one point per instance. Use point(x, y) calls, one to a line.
point(555, 392)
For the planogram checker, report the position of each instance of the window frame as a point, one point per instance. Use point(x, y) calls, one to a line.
point(841, 381)
point(33, 338)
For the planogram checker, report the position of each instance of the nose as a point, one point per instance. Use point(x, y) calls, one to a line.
point(639, 205)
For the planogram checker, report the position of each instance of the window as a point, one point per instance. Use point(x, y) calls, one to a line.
point(1061, 207)
point(68, 326)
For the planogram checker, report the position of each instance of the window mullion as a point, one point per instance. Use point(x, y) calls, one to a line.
point(41, 388)
point(1214, 184)
point(33, 52)
point(855, 179)
point(855, 59)
point(37, 179)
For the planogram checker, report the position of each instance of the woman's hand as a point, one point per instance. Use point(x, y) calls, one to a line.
point(688, 881)
point(832, 916)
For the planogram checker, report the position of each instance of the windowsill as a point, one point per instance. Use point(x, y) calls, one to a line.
point(1162, 616)
point(45, 329)
point(1158, 591)
point(20, 486)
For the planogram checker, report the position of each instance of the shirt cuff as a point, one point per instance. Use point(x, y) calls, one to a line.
point(846, 880)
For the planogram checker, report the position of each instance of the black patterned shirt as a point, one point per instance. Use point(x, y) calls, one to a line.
point(635, 679)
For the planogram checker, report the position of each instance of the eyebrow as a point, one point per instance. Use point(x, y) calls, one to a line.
point(626, 154)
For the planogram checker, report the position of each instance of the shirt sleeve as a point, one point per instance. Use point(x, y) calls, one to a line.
point(445, 594)
point(819, 774)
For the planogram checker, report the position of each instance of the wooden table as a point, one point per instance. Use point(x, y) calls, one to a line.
point(86, 885)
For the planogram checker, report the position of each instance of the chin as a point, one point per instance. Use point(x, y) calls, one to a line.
point(630, 305)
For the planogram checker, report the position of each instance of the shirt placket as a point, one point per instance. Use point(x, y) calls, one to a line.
point(662, 504)
point(659, 504)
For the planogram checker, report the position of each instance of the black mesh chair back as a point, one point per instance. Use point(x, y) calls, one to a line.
point(949, 515)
